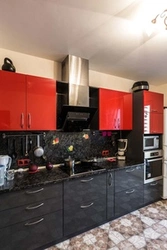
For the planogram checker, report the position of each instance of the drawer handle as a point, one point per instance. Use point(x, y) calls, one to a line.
point(153, 184)
point(130, 192)
point(34, 223)
point(34, 207)
point(91, 204)
point(35, 191)
point(91, 179)
point(131, 170)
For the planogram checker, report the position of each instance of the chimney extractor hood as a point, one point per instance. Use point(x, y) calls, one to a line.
point(77, 115)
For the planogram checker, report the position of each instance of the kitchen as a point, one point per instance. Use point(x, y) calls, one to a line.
point(36, 66)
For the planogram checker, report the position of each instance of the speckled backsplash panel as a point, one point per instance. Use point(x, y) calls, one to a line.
point(58, 145)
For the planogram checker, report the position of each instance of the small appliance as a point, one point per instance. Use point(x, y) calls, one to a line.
point(150, 142)
point(122, 147)
point(6, 160)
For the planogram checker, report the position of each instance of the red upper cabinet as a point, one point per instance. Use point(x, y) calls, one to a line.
point(41, 103)
point(153, 112)
point(115, 110)
point(27, 102)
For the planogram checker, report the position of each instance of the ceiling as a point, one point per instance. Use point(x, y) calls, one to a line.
point(114, 35)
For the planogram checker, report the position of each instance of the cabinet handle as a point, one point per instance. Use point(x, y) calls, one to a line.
point(131, 170)
point(34, 223)
point(34, 207)
point(153, 184)
point(91, 204)
point(35, 191)
point(91, 179)
point(110, 180)
point(22, 120)
point(29, 120)
point(130, 192)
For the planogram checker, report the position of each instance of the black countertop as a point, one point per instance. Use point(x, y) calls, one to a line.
point(44, 177)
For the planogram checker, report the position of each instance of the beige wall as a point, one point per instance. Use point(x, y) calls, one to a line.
point(32, 65)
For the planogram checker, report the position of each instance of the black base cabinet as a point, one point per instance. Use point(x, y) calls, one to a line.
point(84, 203)
point(5, 238)
point(153, 191)
point(110, 195)
point(128, 201)
point(37, 232)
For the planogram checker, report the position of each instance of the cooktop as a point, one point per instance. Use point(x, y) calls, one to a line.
point(81, 168)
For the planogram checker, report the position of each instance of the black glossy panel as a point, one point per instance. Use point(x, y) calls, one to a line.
point(77, 219)
point(110, 195)
point(31, 237)
point(15, 199)
point(129, 200)
point(128, 178)
point(15, 215)
point(153, 191)
point(5, 238)
point(84, 189)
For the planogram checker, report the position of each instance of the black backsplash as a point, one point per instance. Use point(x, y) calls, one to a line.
point(59, 145)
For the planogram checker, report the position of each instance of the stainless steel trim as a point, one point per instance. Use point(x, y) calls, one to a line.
point(147, 153)
point(34, 223)
point(110, 179)
point(35, 191)
point(152, 179)
point(34, 207)
point(91, 179)
point(91, 204)
point(155, 159)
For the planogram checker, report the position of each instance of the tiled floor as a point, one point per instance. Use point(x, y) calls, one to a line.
point(145, 228)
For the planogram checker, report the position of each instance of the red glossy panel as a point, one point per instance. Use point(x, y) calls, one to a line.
point(155, 100)
point(156, 123)
point(12, 100)
point(127, 112)
point(41, 103)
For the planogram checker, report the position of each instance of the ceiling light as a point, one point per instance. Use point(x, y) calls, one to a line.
point(163, 17)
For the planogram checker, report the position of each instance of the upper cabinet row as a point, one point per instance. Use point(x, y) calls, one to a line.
point(27, 102)
point(30, 103)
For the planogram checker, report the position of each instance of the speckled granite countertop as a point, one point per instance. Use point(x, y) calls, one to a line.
point(44, 177)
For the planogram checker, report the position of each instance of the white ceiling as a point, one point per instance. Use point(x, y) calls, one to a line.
point(105, 32)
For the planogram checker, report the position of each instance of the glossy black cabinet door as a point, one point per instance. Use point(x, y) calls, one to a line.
point(153, 191)
point(128, 200)
point(81, 217)
point(83, 189)
point(5, 238)
point(129, 178)
point(37, 232)
point(110, 195)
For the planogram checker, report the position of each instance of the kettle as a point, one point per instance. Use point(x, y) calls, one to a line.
point(6, 160)
point(8, 65)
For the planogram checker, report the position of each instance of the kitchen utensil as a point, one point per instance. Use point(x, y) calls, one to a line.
point(10, 174)
point(8, 65)
point(2, 174)
point(49, 166)
point(26, 153)
point(38, 151)
point(14, 154)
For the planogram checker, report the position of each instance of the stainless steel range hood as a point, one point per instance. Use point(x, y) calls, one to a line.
point(77, 115)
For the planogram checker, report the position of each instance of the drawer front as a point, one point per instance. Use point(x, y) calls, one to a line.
point(15, 215)
point(82, 217)
point(153, 191)
point(37, 232)
point(128, 200)
point(84, 189)
point(110, 195)
point(19, 198)
point(129, 178)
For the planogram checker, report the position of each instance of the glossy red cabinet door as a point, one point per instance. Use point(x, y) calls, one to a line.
point(153, 112)
point(12, 101)
point(41, 103)
point(154, 100)
point(115, 110)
